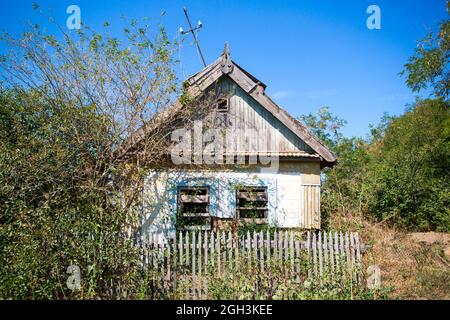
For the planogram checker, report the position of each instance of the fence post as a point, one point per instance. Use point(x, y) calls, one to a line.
point(187, 265)
point(206, 248)
point(291, 253)
point(286, 253)
point(325, 253)
point(308, 248)
point(330, 242)
point(185, 260)
point(199, 259)
point(342, 252)
point(212, 251)
point(218, 241)
point(336, 253)
point(230, 255)
point(319, 247)
point(255, 255)
point(358, 257)
point(261, 252)
point(275, 245)
point(268, 266)
point(224, 257)
point(249, 253)
point(352, 253)
point(298, 261)
point(314, 248)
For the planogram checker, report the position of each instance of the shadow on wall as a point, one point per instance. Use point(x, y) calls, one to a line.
point(160, 197)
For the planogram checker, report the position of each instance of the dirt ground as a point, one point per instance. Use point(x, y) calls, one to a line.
point(413, 265)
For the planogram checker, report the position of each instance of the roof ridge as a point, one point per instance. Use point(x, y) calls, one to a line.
point(255, 89)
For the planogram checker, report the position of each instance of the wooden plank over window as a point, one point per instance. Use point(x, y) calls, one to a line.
point(193, 208)
point(252, 204)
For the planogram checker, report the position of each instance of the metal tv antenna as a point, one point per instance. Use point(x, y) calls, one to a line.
point(191, 30)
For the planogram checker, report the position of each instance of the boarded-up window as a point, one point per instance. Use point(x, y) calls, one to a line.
point(252, 204)
point(193, 212)
point(222, 104)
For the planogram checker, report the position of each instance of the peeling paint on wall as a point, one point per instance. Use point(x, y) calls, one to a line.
point(286, 197)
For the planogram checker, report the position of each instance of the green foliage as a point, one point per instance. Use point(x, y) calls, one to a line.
point(342, 186)
point(241, 275)
point(412, 181)
point(274, 283)
point(428, 67)
point(325, 126)
point(399, 174)
point(67, 103)
point(50, 217)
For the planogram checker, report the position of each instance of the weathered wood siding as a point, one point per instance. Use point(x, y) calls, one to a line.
point(247, 114)
point(311, 206)
point(310, 192)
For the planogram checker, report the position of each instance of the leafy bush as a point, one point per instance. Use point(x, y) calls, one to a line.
point(66, 191)
point(399, 174)
point(411, 174)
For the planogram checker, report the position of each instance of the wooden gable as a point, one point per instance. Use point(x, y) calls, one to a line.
point(249, 101)
point(250, 107)
point(254, 121)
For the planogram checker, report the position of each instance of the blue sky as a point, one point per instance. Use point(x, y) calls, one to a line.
point(310, 53)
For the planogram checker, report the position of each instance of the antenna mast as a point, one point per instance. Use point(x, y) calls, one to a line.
point(191, 30)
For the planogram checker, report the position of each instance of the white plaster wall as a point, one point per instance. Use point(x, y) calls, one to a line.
point(159, 196)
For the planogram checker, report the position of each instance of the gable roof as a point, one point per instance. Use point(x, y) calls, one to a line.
point(195, 85)
point(199, 82)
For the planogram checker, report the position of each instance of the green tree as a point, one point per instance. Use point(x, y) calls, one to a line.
point(343, 188)
point(68, 104)
point(428, 67)
point(400, 174)
point(411, 175)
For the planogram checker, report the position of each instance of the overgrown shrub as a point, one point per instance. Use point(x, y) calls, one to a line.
point(68, 105)
point(399, 174)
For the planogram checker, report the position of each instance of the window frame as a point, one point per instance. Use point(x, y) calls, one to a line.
point(205, 216)
point(262, 192)
point(220, 109)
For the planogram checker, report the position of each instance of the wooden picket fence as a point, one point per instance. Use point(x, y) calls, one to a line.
point(189, 261)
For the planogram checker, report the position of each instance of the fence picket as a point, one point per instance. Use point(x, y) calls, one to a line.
point(358, 257)
point(268, 248)
point(187, 265)
point(212, 250)
point(347, 253)
point(200, 278)
point(291, 252)
point(249, 253)
point(224, 253)
point(314, 248)
point(308, 248)
point(230, 255)
point(319, 252)
point(275, 244)
point(194, 278)
point(352, 256)
point(330, 248)
point(261, 252)
point(169, 264)
point(286, 253)
point(175, 263)
point(255, 256)
point(236, 261)
point(337, 261)
point(188, 259)
point(325, 253)
point(218, 241)
point(280, 250)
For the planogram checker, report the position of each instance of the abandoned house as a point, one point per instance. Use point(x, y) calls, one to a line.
point(273, 176)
